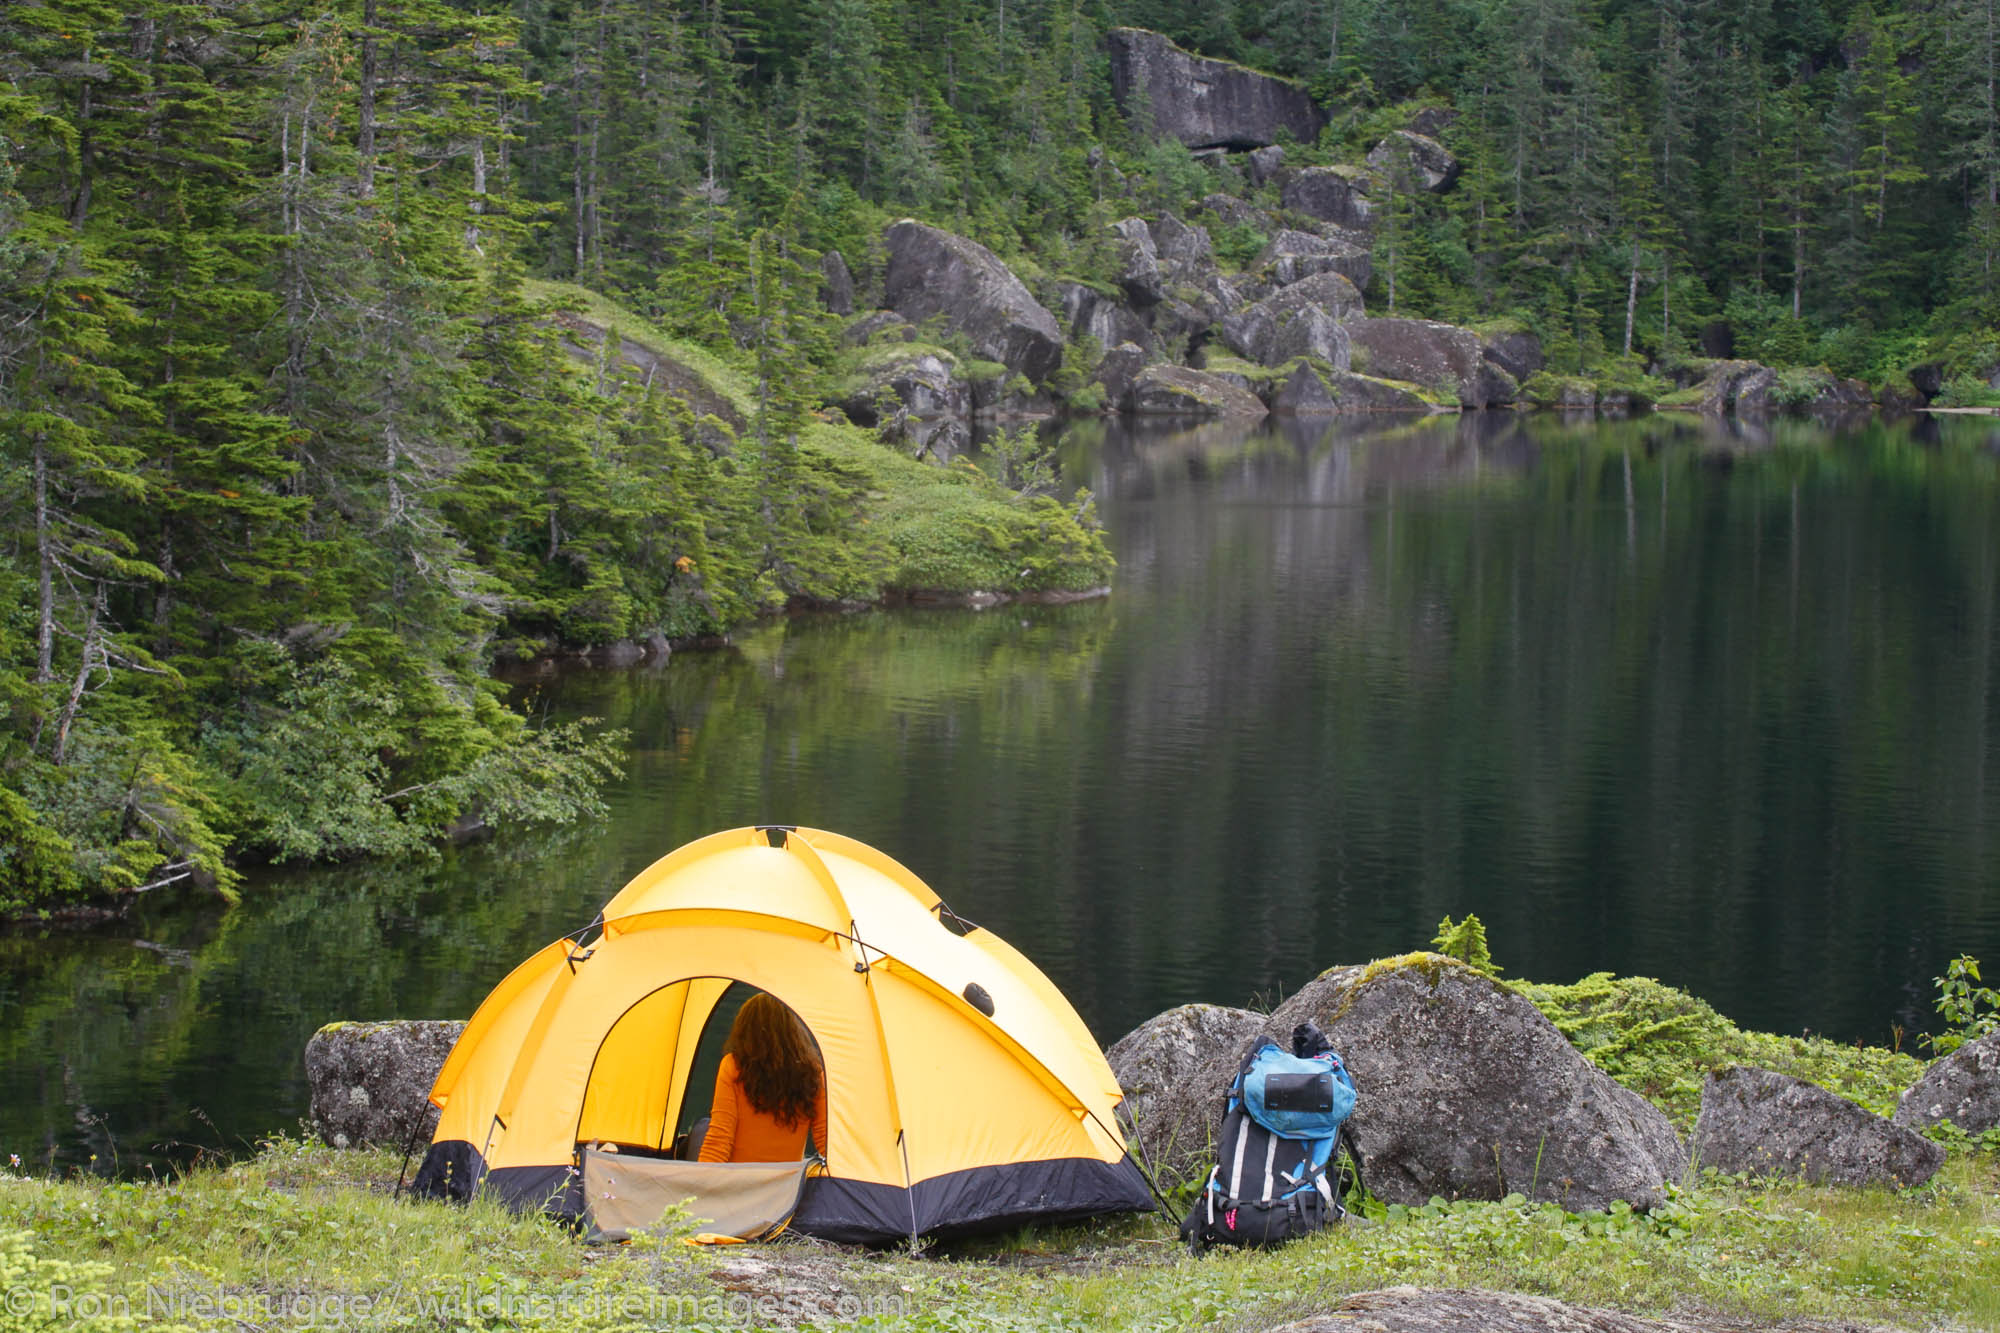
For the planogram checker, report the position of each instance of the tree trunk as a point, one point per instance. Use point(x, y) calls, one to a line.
point(45, 611)
point(1632, 297)
point(364, 171)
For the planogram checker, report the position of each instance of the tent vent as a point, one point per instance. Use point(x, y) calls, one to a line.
point(976, 996)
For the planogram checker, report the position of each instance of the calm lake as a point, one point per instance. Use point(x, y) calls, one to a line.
point(1656, 697)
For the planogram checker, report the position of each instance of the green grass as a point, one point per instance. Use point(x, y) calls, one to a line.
point(727, 381)
point(954, 529)
point(304, 1227)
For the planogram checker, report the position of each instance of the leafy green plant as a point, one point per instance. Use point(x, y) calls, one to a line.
point(1971, 1009)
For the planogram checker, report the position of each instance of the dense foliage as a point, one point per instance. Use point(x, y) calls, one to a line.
point(294, 443)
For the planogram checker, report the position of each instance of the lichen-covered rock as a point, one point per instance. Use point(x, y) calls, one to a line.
point(1231, 211)
point(1120, 366)
point(881, 325)
point(1089, 313)
point(1441, 357)
point(1176, 391)
point(836, 286)
point(933, 274)
point(1305, 318)
point(1722, 384)
point(1515, 351)
point(370, 1083)
point(1753, 396)
point(1164, 1065)
point(1139, 274)
point(912, 380)
point(1468, 1091)
point(1332, 194)
point(1205, 103)
point(1963, 1087)
point(1431, 1310)
point(1414, 161)
point(1291, 256)
point(1765, 1123)
point(1311, 392)
point(1264, 164)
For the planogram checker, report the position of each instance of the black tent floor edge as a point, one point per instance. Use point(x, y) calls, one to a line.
point(968, 1202)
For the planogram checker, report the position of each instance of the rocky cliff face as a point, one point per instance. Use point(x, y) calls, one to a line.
point(934, 275)
point(1205, 103)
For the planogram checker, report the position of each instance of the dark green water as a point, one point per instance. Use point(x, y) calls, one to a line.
point(1645, 696)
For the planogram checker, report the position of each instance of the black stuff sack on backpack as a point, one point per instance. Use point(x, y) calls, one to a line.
point(1281, 1124)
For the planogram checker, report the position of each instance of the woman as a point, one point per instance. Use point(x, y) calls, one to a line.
point(769, 1090)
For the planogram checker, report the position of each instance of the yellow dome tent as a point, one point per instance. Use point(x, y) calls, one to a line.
point(963, 1091)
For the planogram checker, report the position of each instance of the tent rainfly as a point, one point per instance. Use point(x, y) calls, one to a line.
point(963, 1091)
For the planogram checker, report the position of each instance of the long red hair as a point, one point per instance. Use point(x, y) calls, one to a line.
point(774, 1059)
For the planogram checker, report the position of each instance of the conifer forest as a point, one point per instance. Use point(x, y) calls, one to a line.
point(349, 346)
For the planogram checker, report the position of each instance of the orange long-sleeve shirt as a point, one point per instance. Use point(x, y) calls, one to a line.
point(739, 1132)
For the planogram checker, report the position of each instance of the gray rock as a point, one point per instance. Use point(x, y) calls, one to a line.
point(1139, 275)
point(1303, 319)
point(933, 274)
point(1517, 353)
point(1332, 194)
point(1309, 392)
point(1205, 103)
point(1183, 249)
point(1765, 1123)
point(836, 288)
point(1120, 366)
point(1176, 391)
point(1432, 121)
point(1229, 210)
point(370, 1083)
point(1089, 313)
point(1441, 357)
point(912, 382)
point(1414, 161)
point(1264, 164)
point(1963, 1088)
point(1164, 1065)
point(1722, 382)
point(883, 324)
point(1430, 1310)
point(1468, 1091)
point(1753, 392)
point(1291, 256)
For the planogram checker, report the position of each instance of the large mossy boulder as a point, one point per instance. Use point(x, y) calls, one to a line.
point(1306, 318)
point(909, 379)
point(1444, 358)
point(1466, 1091)
point(1291, 256)
point(934, 275)
point(1469, 1091)
point(1177, 391)
point(1414, 161)
point(1338, 195)
point(1314, 391)
point(1204, 103)
point(370, 1083)
point(1764, 1123)
point(1514, 350)
point(1963, 1088)
point(1090, 313)
point(1723, 386)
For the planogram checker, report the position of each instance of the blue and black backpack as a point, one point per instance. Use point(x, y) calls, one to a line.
point(1284, 1152)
